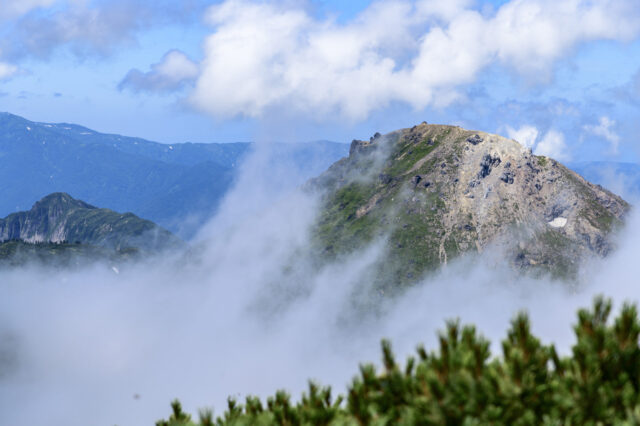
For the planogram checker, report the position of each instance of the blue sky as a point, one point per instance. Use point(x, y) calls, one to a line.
point(561, 77)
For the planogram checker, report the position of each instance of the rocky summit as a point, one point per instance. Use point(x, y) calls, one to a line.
point(59, 218)
point(434, 192)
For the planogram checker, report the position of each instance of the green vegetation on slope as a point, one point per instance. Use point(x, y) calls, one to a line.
point(461, 384)
point(60, 255)
point(596, 214)
point(340, 225)
point(370, 196)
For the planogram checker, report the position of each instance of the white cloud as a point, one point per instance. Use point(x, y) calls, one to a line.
point(526, 135)
point(604, 129)
point(7, 70)
point(553, 145)
point(13, 8)
point(173, 72)
point(265, 55)
point(530, 34)
point(442, 10)
point(176, 66)
point(86, 27)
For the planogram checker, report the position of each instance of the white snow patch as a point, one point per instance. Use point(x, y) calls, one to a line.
point(85, 133)
point(558, 222)
point(28, 128)
point(47, 125)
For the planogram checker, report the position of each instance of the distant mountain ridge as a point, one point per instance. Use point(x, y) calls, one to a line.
point(176, 185)
point(59, 218)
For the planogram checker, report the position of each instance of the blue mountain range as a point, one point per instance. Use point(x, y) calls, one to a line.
point(165, 183)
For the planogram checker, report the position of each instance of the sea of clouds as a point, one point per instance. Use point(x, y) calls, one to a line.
point(245, 313)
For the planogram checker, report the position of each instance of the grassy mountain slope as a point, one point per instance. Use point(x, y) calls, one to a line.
point(435, 192)
point(61, 255)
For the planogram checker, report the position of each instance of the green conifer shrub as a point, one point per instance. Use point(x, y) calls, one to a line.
point(460, 383)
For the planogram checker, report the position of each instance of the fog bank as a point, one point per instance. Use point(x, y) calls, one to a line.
point(249, 315)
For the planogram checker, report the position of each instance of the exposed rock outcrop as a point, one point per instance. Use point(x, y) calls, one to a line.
point(447, 191)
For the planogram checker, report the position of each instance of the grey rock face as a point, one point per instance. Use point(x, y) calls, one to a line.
point(360, 146)
point(474, 140)
point(507, 177)
point(487, 164)
point(462, 191)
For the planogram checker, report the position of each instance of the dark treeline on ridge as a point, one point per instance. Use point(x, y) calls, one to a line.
point(462, 384)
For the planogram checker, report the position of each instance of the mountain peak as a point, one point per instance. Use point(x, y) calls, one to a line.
point(61, 200)
point(434, 192)
point(59, 217)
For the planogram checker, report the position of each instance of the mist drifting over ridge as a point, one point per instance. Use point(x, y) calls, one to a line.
point(250, 307)
point(249, 316)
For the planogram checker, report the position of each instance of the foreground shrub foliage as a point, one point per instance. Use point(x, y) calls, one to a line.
point(460, 383)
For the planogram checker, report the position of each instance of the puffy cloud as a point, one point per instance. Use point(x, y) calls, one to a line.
point(84, 28)
point(7, 70)
point(526, 135)
point(173, 72)
point(529, 35)
point(553, 145)
point(604, 130)
point(264, 56)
